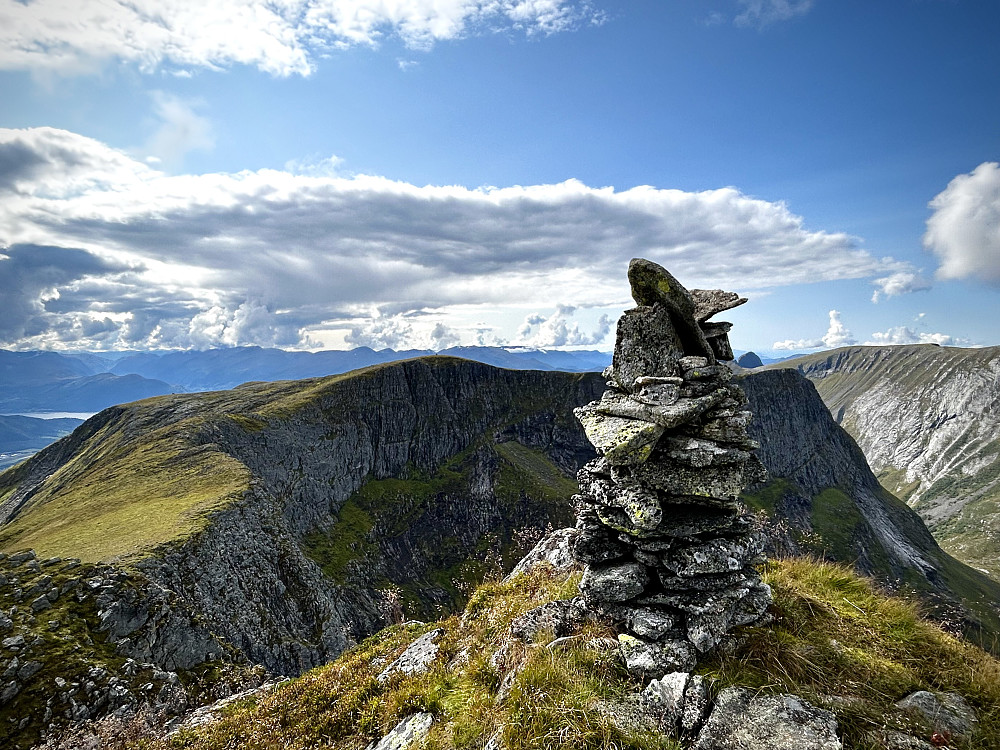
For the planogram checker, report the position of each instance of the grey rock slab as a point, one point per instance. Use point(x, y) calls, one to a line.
point(742, 719)
point(697, 699)
point(646, 660)
point(708, 302)
point(647, 345)
point(667, 416)
point(555, 549)
point(653, 285)
point(417, 657)
point(560, 618)
point(622, 440)
point(947, 713)
point(715, 556)
point(615, 583)
point(664, 699)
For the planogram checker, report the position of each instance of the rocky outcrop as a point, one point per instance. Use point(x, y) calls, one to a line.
point(928, 420)
point(670, 559)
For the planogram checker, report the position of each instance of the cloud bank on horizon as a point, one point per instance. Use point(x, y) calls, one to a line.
point(101, 248)
point(103, 251)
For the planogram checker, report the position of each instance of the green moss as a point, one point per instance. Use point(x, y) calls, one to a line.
point(766, 498)
point(527, 472)
point(347, 540)
point(837, 521)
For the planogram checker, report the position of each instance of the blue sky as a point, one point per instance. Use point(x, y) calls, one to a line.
point(409, 173)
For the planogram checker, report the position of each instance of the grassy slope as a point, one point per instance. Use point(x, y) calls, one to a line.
point(146, 476)
point(833, 634)
point(839, 533)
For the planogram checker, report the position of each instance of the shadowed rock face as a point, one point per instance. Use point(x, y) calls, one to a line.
point(670, 556)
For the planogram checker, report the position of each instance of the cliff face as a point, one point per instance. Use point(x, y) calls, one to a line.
point(928, 421)
point(823, 498)
point(352, 497)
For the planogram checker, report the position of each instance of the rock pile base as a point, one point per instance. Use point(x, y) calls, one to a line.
point(671, 558)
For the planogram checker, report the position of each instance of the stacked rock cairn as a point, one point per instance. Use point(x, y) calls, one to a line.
point(672, 558)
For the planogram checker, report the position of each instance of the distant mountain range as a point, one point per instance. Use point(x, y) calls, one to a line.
point(37, 381)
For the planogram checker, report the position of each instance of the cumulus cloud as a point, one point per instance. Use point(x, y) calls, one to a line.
point(964, 229)
point(906, 335)
point(309, 250)
point(558, 329)
point(901, 282)
point(282, 38)
point(836, 335)
point(761, 13)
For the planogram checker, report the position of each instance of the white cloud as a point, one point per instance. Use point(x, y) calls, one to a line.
point(901, 282)
point(281, 37)
point(760, 13)
point(836, 335)
point(181, 129)
point(318, 251)
point(558, 330)
point(906, 335)
point(964, 230)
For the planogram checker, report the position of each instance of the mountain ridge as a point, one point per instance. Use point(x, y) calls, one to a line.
point(928, 421)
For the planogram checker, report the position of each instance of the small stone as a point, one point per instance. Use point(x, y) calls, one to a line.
point(41, 603)
point(21, 557)
point(615, 583)
point(417, 657)
point(947, 713)
point(29, 669)
point(14, 643)
point(744, 719)
point(646, 660)
point(406, 734)
point(10, 691)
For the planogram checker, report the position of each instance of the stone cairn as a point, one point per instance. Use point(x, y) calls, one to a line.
point(671, 556)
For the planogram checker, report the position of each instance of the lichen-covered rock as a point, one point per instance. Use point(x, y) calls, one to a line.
point(405, 734)
point(946, 713)
point(417, 657)
point(648, 659)
point(554, 549)
point(559, 618)
point(743, 719)
point(614, 583)
point(672, 561)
